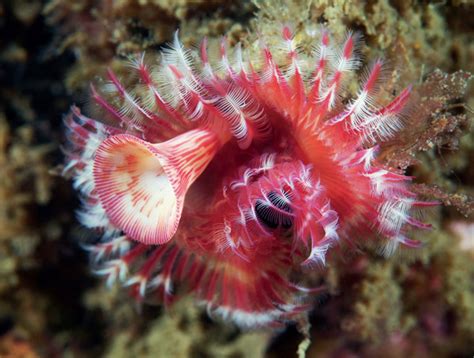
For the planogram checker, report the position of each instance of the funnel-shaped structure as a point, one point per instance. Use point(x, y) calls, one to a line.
point(142, 186)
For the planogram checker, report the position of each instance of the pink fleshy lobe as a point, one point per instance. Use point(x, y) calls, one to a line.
point(233, 182)
point(465, 232)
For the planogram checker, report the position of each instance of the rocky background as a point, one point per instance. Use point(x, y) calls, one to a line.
point(50, 304)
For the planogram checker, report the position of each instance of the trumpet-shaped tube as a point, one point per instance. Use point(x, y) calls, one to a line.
point(142, 186)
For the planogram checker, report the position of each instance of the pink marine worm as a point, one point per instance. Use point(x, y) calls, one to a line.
point(232, 181)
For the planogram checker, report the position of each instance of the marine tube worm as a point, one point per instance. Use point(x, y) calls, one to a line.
point(232, 180)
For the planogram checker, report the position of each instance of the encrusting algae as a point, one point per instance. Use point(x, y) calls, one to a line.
point(24, 183)
point(407, 305)
point(98, 31)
